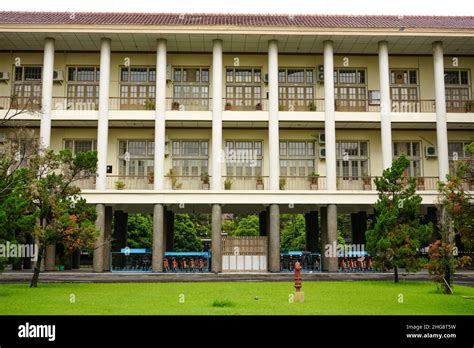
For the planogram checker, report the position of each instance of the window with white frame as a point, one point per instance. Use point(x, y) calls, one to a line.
point(297, 157)
point(352, 159)
point(191, 88)
point(457, 152)
point(404, 89)
point(136, 157)
point(243, 158)
point(244, 88)
point(412, 151)
point(457, 89)
point(350, 89)
point(80, 145)
point(27, 86)
point(296, 88)
point(190, 157)
point(83, 86)
point(137, 87)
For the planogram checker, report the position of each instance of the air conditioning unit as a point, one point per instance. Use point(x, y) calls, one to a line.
point(265, 78)
point(321, 138)
point(320, 73)
point(169, 72)
point(4, 76)
point(322, 152)
point(58, 76)
point(430, 151)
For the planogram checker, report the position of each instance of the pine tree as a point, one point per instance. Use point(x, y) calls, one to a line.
point(397, 235)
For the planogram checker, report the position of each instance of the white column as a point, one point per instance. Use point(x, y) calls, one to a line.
point(440, 102)
point(158, 237)
point(273, 125)
point(385, 105)
point(103, 123)
point(216, 115)
point(47, 92)
point(329, 123)
point(160, 113)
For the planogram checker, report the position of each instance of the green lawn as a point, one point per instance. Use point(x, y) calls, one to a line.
point(362, 297)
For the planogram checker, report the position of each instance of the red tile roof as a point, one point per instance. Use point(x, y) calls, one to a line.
point(253, 20)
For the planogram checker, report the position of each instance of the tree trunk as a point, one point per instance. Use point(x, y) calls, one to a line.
point(36, 273)
point(395, 274)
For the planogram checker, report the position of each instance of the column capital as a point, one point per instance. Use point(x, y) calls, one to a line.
point(161, 40)
point(437, 43)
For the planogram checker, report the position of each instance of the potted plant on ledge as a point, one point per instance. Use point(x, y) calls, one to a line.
point(420, 184)
point(313, 178)
point(205, 179)
point(228, 106)
point(119, 185)
point(282, 183)
point(175, 184)
point(175, 105)
point(259, 184)
point(151, 177)
point(228, 184)
point(367, 183)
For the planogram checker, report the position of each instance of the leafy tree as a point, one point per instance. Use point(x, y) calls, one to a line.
point(185, 236)
point(202, 223)
point(293, 232)
point(63, 216)
point(248, 226)
point(140, 231)
point(455, 218)
point(397, 235)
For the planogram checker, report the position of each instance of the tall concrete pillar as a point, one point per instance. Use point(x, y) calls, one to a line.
point(273, 117)
point(98, 262)
point(108, 237)
point(50, 257)
point(324, 236)
point(440, 102)
point(158, 238)
point(47, 93)
point(385, 105)
point(332, 237)
point(216, 238)
point(263, 223)
point(274, 239)
point(160, 114)
point(329, 123)
point(103, 122)
point(312, 231)
point(216, 173)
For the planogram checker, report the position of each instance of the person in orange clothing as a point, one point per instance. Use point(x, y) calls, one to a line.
point(184, 265)
point(201, 265)
point(175, 265)
point(193, 264)
point(342, 265)
point(166, 264)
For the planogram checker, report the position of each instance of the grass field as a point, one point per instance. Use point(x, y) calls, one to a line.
point(363, 297)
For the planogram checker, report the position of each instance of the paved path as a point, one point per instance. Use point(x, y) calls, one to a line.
point(86, 276)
